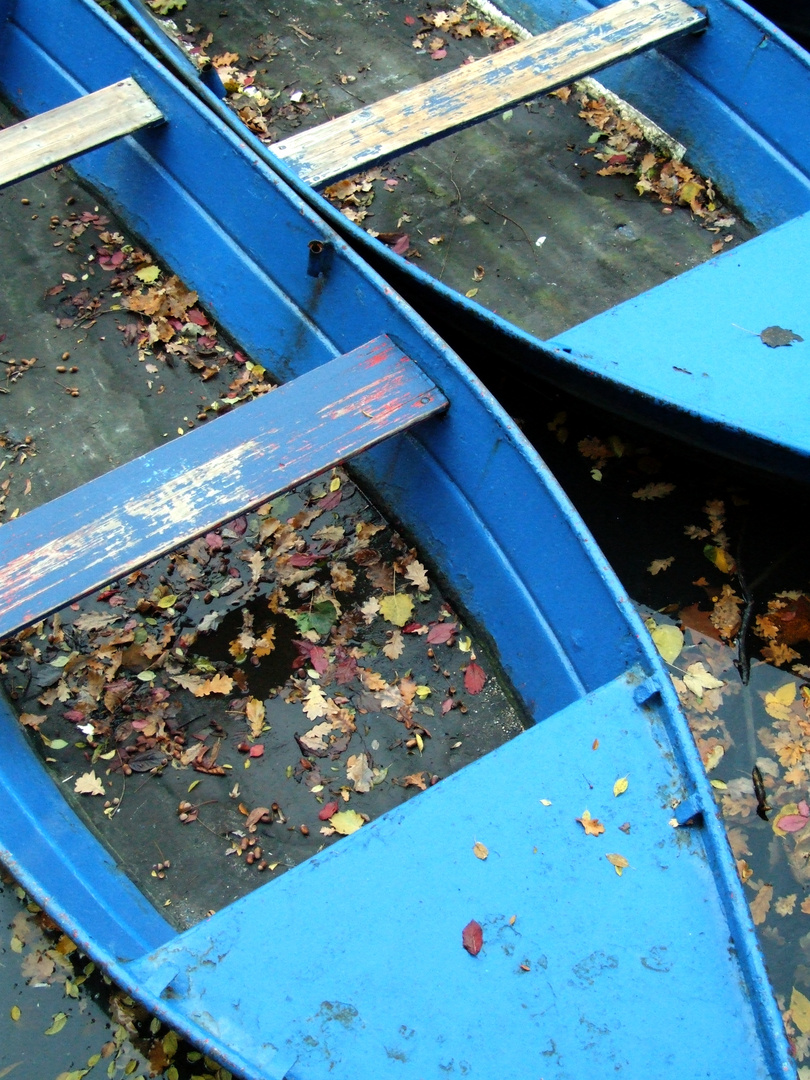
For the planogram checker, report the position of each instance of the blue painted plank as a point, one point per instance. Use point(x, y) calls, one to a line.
point(692, 342)
point(597, 975)
point(125, 519)
point(476, 91)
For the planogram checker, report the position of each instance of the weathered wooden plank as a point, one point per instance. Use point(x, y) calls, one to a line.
point(32, 145)
point(481, 89)
point(123, 520)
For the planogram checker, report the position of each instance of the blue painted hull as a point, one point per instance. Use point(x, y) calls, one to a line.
point(597, 972)
point(672, 358)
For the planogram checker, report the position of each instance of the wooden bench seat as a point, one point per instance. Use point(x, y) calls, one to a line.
point(481, 89)
point(123, 520)
point(52, 137)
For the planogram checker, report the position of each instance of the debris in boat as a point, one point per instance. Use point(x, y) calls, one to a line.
point(592, 826)
point(472, 937)
point(774, 336)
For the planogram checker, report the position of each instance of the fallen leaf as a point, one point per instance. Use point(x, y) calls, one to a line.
point(698, 679)
point(761, 903)
point(472, 937)
point(255, 713)
point(346, 822)
point(59, 1021)
point(393, 648)
point(359, 772)
point(480, 850)
point(620, 786)
point(328, 809)
point(618, 862)
point(474, 678)
point(592, 826)
point(667, 639)
point(396, 609)
point(657, 565)
point(88, 784)
point(800, 1011)
point(653, 491)
point(414, 780)
point(774, 336)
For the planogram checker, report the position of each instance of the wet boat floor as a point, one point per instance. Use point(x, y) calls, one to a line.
point(512, 210)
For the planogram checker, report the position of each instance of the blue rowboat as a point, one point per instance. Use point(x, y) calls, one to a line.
point(685, 356)
point(539, 960)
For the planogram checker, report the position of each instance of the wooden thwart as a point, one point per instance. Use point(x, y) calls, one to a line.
point(123, 520)
point(485, 87)
point(36, 144)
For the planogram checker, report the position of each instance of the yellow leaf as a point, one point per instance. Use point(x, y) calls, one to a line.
point(59, 1021)
point(721, 559)
point(545, 802)
point(15, 1012)
point(193, 784)
point(667, 639)
point(334, 483)
point(471, 293)
point(778, 703)
point(346, 822)
point(715, 757)
point(167, 601)
point(396, 609)
point(422, 692)
point(420, 742)
point(618, 862)
point(255, 716)
point(592, 826)
point(800, 1011)
point(620, 786)
point(148, 274)
point(480, 850)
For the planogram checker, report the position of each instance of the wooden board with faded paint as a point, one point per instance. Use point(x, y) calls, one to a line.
point(475, 91)
point(121, 521)
point(54, 136)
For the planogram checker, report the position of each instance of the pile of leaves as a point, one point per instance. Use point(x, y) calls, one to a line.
point(620, 143)
point(460, 23)
point(154, 311)
point(117, 678)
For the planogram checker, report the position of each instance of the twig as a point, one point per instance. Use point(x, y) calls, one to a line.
point(515, 223)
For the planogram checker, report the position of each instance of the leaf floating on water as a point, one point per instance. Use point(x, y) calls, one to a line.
point(657, 490)
point(698, 679)
point(481, 851)
point(720, 558)
point(620, 786)
point(592, 826)
point(774, 336)
point(15, 1012)
point(761, 904)
point(667, 639)
point(657, 565)
point(618, 862)
point(800, 1011)
point(472, 937)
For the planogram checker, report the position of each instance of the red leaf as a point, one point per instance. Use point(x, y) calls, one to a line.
point(330, 501)
point(474, 678)
point(410, 20)
point(326, 811)
point(439, 54)
point(472, 937)
point(441, 632)
point(256, 751)
point(214, 541)
point(447, 705)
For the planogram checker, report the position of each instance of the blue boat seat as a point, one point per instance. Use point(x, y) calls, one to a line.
point(128, 517)
point(485, 87)
point(693, 342)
